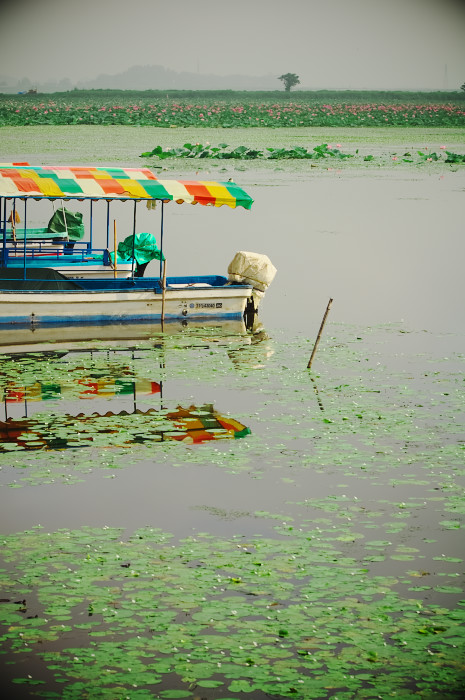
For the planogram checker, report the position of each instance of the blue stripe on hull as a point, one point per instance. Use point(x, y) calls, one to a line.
point(21, 321)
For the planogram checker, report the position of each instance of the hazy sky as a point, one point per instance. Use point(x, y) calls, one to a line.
point(410, 44)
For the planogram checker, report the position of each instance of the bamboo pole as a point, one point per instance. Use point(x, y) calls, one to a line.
point(319, 334)
point(163, 291)
point(115, 266)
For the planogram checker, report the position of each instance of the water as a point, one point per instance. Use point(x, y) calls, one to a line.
point(322, 552)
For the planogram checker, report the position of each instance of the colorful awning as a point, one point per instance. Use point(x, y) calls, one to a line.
point(79, 182)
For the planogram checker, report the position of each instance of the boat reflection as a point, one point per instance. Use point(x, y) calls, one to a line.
point(85, 388)
point(58, 432)
point(43, 338)
point(254, 354)
point(29, 424)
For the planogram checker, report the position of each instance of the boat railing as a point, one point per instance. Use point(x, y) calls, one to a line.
point(38, 235)
point(71, 252)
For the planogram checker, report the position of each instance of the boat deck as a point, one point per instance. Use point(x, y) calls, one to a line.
point(151, 283)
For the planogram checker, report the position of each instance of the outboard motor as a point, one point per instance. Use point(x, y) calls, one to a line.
point(254, 269)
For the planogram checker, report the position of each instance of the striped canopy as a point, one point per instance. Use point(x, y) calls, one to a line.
point(70, 182)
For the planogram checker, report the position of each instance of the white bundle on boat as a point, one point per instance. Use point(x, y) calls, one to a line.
point(252, 268)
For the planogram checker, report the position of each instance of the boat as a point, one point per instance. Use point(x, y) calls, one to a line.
point(35, 292)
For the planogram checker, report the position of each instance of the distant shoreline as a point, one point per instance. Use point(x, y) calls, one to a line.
point(440, 96)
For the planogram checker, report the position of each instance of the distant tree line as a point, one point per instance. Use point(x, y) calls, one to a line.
point(339, 96)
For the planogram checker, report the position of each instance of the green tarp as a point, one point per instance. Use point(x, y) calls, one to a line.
point(143, 249)
point(67, 221)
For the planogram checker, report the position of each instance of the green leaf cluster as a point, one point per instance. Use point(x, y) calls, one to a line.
point(323, 151)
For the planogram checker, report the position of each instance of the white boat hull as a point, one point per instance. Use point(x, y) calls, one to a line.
point(74, 307)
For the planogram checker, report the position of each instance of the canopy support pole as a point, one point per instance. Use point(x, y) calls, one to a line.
point(115, 249)
point(25, 235)
point(133, 242)
point(163, 295)
point(3, 225)
point(161, 239)
point(108, 223)
point(89, 245)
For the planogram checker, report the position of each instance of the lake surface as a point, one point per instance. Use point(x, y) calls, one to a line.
point(194, 513)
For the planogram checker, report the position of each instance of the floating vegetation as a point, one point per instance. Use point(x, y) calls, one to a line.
point(297, 616)
point(324, 151)
point(221, 152)
point(351, 584)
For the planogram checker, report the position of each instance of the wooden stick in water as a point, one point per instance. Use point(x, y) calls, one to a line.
point(115, 266)
point(319, 334)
